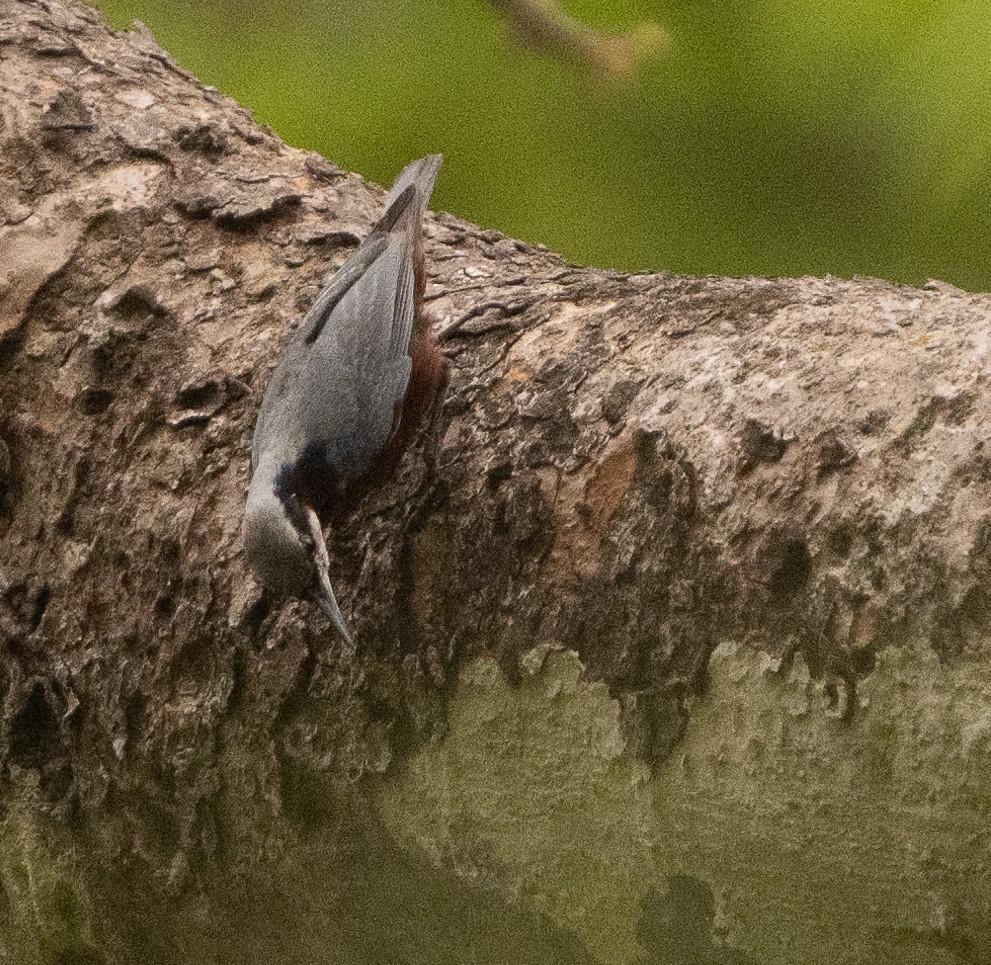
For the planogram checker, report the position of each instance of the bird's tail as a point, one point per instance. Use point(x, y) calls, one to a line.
point(422, 173)
point(410, 193)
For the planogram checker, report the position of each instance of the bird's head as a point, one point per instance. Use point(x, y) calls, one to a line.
point(285, 549)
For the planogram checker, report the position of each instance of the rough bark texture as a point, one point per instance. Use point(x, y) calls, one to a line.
point(634, 467)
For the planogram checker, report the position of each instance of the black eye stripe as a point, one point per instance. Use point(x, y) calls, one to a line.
point(285, 481)
point(285, 491)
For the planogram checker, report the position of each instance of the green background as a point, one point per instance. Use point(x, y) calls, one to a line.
point(773, 136)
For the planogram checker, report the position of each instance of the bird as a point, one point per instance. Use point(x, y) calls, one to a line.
point(360, 375)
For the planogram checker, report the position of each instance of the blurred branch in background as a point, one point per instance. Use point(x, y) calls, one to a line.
point(544, 25)
point(764, 137)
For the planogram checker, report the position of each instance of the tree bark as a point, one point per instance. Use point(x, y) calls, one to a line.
point(636, 468)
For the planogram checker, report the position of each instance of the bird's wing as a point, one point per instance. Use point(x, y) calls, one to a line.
point(347, 370)
point(404, 209)
point(358, 368)
point(358, 262)
point(403, 213)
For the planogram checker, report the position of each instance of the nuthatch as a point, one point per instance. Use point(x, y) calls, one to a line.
point(346, 400)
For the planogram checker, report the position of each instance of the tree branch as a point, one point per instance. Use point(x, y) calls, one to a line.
point(545, 25)
point(636, 467)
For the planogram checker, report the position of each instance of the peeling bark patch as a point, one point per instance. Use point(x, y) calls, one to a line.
point(65, 113)
point(136, 303)
point(758, 444)
point(244, 215)
point(617, 400)
point(206, 394)
point(832, 453)
point(609, 483)
point(204, 138)
point(30, 255)
point(198, 206)
point(126, 186)
point(236, 208)
point(953, 410)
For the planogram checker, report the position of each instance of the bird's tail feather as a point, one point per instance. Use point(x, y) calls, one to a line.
point(410, 193)
point(421, 172)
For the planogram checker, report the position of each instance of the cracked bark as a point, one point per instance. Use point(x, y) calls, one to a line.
point(637, 467)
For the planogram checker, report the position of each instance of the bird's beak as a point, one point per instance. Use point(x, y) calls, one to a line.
point(328, 603)
point(325, 592)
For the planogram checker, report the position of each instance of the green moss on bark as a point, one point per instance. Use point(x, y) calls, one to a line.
point(44, 913)
point(779, 831)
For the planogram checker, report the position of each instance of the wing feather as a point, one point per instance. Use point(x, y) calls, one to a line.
point(349, 274)
point(358, 369)
point(340, 386)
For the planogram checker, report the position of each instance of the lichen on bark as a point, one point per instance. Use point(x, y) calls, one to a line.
point(777, 833)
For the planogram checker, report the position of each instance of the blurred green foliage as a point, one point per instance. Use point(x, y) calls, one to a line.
point(773, 136)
